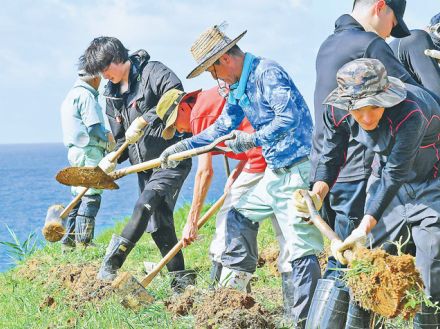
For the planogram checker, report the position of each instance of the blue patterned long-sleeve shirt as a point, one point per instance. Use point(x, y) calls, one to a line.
point(275, 108)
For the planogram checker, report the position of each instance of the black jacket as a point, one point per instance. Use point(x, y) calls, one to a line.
point(410, 52)
point(349, 42)
point(406, 145)
point(148, 81)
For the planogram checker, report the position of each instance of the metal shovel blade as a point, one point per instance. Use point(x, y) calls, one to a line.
point(87, 177)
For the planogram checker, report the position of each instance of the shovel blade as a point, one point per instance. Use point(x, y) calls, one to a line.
point(91, 177)
point(134, 295)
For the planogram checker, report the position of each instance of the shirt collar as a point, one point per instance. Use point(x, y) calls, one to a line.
point(81, 83)
point(237, 89)
point(347, 22)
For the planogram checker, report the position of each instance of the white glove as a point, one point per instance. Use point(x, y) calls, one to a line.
point(358, 236)
point(135, 131)
point(165, 163)
point(106, 165)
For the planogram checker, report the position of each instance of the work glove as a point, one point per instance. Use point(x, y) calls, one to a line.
point(300, 203)
point(358, 236)
point(242, 142)
point(173, 149)
point(111, 144)
point(106, 165)
point(135, 131)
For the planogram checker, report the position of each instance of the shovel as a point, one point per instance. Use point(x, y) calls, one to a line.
point(53, 230)
point(132, 291)
point(321, 225)
point(97, 178)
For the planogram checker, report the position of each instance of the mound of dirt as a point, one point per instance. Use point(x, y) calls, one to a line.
point(269, 257)
point(81, 283)
point(380, 281)
point(222, 308)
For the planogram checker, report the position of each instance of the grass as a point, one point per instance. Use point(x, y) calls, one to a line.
point(21, 298)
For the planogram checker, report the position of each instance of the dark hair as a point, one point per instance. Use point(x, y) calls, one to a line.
point(101, 52)
point(234, 51)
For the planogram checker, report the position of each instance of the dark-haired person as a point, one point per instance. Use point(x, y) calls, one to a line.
point(360, 34)
point(411, 53)
point(135, 86)
point(400, 124)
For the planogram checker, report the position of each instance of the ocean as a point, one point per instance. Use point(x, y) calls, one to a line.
point(28, 187)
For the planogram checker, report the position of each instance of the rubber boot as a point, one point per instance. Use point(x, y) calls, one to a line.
point(214, 275)
point(335, 312)
point(357, 317)
point(235, 279)
point(426, 319)
point(84, 229)
point(182, 279)
point(319, 301)
point(116, 253)
point(288, 289)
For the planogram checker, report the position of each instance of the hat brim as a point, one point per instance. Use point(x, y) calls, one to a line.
point(393, 95)
point(400, 30)
point(169, 130)
point(211, 60)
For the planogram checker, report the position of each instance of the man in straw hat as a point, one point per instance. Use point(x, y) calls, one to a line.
point(135, 86)
point(193, 113)
point(400, 124)
point(263, 92)
point(87, 139)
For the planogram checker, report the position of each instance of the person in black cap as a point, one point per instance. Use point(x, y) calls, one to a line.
point(411, 53)
point(359, 35)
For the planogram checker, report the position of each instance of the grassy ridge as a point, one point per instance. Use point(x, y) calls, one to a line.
point(23, 300)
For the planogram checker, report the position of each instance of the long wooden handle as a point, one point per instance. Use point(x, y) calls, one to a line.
point(321, 225)
point(146, 281)
point(84, 190)
point(433, 53)
point(174, 157)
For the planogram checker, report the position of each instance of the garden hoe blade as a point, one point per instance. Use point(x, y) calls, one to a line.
point(87, 177)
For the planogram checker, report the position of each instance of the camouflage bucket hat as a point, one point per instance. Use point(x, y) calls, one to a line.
point(364, 82)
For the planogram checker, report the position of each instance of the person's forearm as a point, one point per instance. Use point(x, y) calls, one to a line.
point(202, 182)
point(238, 169)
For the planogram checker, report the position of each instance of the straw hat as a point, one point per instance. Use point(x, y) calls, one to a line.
point(210, 46)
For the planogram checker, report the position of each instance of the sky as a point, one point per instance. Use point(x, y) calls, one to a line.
point(43, 39)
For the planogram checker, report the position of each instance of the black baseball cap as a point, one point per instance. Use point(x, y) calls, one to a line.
point(398, 7)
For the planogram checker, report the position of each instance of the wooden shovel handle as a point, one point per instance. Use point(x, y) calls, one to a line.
point(84, 190)
point(321, 225)
point(178, 156)
point(146, 281)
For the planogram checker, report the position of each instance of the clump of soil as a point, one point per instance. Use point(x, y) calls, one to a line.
point(49, 301)
point(269, 257)
point(380, 281)
point(53, 231)
point(222, 308)
point(81, 283)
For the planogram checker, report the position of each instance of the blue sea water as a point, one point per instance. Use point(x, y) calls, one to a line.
point(28, 187)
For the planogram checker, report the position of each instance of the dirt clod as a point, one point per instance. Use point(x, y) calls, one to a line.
point(49, 301)
point(269, 257)
point(382, 281)
point(53, 231)
point(222, 308)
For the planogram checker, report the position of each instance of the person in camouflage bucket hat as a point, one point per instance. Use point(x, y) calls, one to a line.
point(364, 82)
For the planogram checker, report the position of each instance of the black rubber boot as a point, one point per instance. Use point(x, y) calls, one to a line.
point(335, 312)
point(426, 319)
point(182, 279)
point(320, 299)
point(214, 276)
point(116, 253)
point(357, 317)
point(288, 289)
